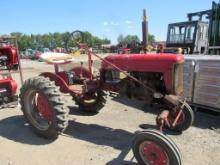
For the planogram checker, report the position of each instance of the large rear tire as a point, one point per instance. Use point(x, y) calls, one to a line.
point(92, 103)
point(151, 147)
point(44, 107)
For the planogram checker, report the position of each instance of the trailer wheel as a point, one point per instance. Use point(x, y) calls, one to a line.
point(44, 107)
point(151, 147)
point(185, 121)
point(91, 103)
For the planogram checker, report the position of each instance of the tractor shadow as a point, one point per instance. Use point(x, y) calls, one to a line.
point(139, 105)
point(207, 120)
point(74, 110)
point(100, 135)
point(16, 129)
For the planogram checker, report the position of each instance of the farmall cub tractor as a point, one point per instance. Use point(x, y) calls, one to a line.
point(154, 78)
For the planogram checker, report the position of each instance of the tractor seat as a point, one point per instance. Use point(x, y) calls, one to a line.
point(56, 58)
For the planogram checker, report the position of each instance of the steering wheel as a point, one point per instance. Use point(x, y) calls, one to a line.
point(74, 39)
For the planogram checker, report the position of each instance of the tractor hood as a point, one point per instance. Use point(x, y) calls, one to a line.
point(143, 62)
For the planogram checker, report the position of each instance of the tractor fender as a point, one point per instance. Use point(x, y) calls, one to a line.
point(10, 84)
point(82, 72)
point(59, 81)
point(13, 87)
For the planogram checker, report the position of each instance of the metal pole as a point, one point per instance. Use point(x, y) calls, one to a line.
point(90, 63)
point(56, 68)
point(19, 63)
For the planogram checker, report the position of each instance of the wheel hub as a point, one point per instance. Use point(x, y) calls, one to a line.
point(43, 107)
point(173, 116)
point(153, 154)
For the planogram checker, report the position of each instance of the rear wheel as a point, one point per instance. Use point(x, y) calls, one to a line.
point(153, 148)
point(92, 102)
point(44, 107)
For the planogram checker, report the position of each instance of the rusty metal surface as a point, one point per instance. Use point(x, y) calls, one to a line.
point(207, 80)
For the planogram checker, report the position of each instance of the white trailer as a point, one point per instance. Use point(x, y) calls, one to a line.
point(202, 81)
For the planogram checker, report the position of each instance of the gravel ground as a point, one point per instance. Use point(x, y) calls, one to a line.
point(104, 138)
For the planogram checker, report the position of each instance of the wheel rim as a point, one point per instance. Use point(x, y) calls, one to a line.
point(153, 154)
point(38, 109)
point(43, 107)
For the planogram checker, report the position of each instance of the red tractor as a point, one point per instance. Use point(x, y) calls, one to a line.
point(9, 63)
point(153, 78)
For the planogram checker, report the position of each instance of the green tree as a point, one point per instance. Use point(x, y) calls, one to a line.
point(133, 38)
point(106, 41)
point(128, 39)
point(151, 39)
point(53, 40)
point(120, 39)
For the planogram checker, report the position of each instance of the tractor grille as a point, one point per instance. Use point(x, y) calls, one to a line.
point(178, 79)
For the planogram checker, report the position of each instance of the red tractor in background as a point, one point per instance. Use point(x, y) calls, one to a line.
point(9, 64)
point(153, 78)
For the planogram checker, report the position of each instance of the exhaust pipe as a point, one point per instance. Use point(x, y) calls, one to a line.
point(145, 31)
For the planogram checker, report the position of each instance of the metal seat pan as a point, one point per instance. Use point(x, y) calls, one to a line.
point(56, 58)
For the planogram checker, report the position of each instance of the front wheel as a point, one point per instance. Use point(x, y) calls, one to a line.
point(44, 107)
point(151, 147)
point(185, 120)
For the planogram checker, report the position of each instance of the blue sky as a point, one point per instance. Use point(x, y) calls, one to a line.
point(102, 18)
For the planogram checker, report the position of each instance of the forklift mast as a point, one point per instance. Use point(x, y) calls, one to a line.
point(190, 36)
point(214, 31)
point(197, 36)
